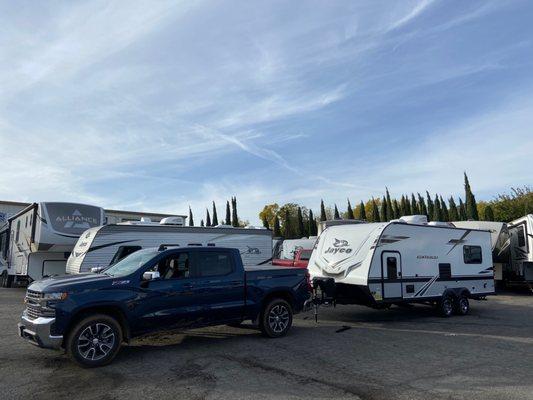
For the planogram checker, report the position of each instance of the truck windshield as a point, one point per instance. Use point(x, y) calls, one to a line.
point(131, 263)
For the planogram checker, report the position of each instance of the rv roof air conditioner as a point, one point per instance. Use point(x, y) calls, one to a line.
point(439, 223)
point(414, 219)
point(145, 219)
point(223, 226)
point(172, 221)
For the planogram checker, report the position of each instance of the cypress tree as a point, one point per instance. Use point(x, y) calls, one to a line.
point(375, 211)
point(462, 210)
point(207, 218)
point(422, 205)
point(390, 212)
point(396, 209)
point(228, 214)
point(336, 214)
point(437, 211)
point(349, 213)
point(431, 207)
point(407, 206)
point(215, 216)
point(362, 211)
point(403, 208)
point(277, 228)
point(445, 214)
point(322, 211)
point(471, 206)
point(454, 213)
point(414, 207)
point(313, 229)
point(202, 223)
point(488, 215)
point(301, 227)
point(234, 216)
point(384, 212)
point(265, 222)
point(191, 220)
point(287, 229)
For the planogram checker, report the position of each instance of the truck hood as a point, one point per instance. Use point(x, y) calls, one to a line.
point(72, 283)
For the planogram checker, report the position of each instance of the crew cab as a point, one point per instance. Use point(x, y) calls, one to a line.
point(90, 315)
point(301, 259)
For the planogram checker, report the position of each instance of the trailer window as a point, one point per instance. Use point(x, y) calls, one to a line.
point(124, 251)
point(392, 268)
point(214, 263)
point(472, 254)
point(521, 236)
point(305, 255)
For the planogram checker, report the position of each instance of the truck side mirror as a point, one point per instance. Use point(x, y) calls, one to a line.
point(151, 275)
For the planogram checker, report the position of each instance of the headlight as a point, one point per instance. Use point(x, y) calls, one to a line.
point(55, 296)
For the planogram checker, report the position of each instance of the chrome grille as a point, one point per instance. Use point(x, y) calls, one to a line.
point(34, 309)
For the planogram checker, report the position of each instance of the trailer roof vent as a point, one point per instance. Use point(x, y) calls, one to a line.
point(172, 221)
point(145, 219)
point(439, 223)
point(223, 226)
point(414, 219)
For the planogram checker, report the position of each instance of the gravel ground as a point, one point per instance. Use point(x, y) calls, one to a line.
point(353, 352)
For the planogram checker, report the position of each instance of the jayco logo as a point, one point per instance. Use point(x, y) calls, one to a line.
point(77, 220)
point(339, 246)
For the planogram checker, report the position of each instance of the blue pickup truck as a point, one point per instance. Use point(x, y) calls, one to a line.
point(91, 315)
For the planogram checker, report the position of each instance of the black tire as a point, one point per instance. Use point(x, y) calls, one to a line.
point(445, 306)
point(461, 305)
point(94, 341)
point(276, 318)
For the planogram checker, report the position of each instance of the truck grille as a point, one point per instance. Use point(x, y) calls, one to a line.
point(34, 309)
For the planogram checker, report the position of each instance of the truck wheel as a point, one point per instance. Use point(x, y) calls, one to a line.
point(461, 305)
point(94, 341)
point(445, 306)
point(276, 318)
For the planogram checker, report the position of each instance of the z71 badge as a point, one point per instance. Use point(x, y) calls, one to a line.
point(125, 282)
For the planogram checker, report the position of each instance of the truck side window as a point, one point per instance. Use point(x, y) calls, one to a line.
point(392, 268)
point(124, 251)
point(175, 266)
point(521, 237)
point(472, 254)
point(214, 264)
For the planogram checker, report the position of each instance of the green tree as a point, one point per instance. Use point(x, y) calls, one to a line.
point(445, 214)
point(390, 209)
point(301, 227)
point(384, 212)
point(431, 206)
point(288, 231)
point(454, 212)
point(462, 210)
point(349, 212)
point(470, 199)
point(228, 214)
point(336, 214)
point(234, 215)
point(215, 216)
point(422, 205)
point(396, 209)
point(269, 212)
point(407, 206)
point(265, 223)
point(191, 220)
point(207, 218)
point(322, 211)
point(414, 207)
point(202, 223)
point(277, 227)
point(508, 207)
point(437, 211)
point(403, 206)
point(489, 214)
point(375, 211)
point(362, 212)
point(311, 224)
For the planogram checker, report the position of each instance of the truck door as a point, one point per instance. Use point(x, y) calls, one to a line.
point(391, 272)
point(219, 285)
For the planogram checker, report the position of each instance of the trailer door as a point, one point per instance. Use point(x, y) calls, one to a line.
point(391, 272)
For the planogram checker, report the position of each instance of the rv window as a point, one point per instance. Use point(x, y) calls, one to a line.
point(3, 243)
point(18, 232)
point(305, 255)
point(521, 236)
point(392, 268)
point(124, 251)
point(212, 263)
point(472, 254)
point(175, 266)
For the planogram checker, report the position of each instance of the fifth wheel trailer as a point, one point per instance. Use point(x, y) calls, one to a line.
point(521, 236)
point(379, 264)
point(37, 241)
point(105, 245)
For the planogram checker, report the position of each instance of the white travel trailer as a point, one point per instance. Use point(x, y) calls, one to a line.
point(37, 241)
point(289, 247)
point(378, 264)
point(521, 234)
point(105, 245)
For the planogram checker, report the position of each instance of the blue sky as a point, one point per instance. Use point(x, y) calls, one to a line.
point(157, 105)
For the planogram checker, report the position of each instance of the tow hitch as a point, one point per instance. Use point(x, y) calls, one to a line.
point(323, 294)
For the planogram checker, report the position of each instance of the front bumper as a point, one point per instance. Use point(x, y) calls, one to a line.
point(38, 332)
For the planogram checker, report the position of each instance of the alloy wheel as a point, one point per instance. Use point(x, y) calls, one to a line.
point(96, 341)
point(278, 318)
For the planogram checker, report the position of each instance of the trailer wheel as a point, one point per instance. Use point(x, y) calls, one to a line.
point(94, 341)
point(462, 305)
point(276, 318)
point(445, 306)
